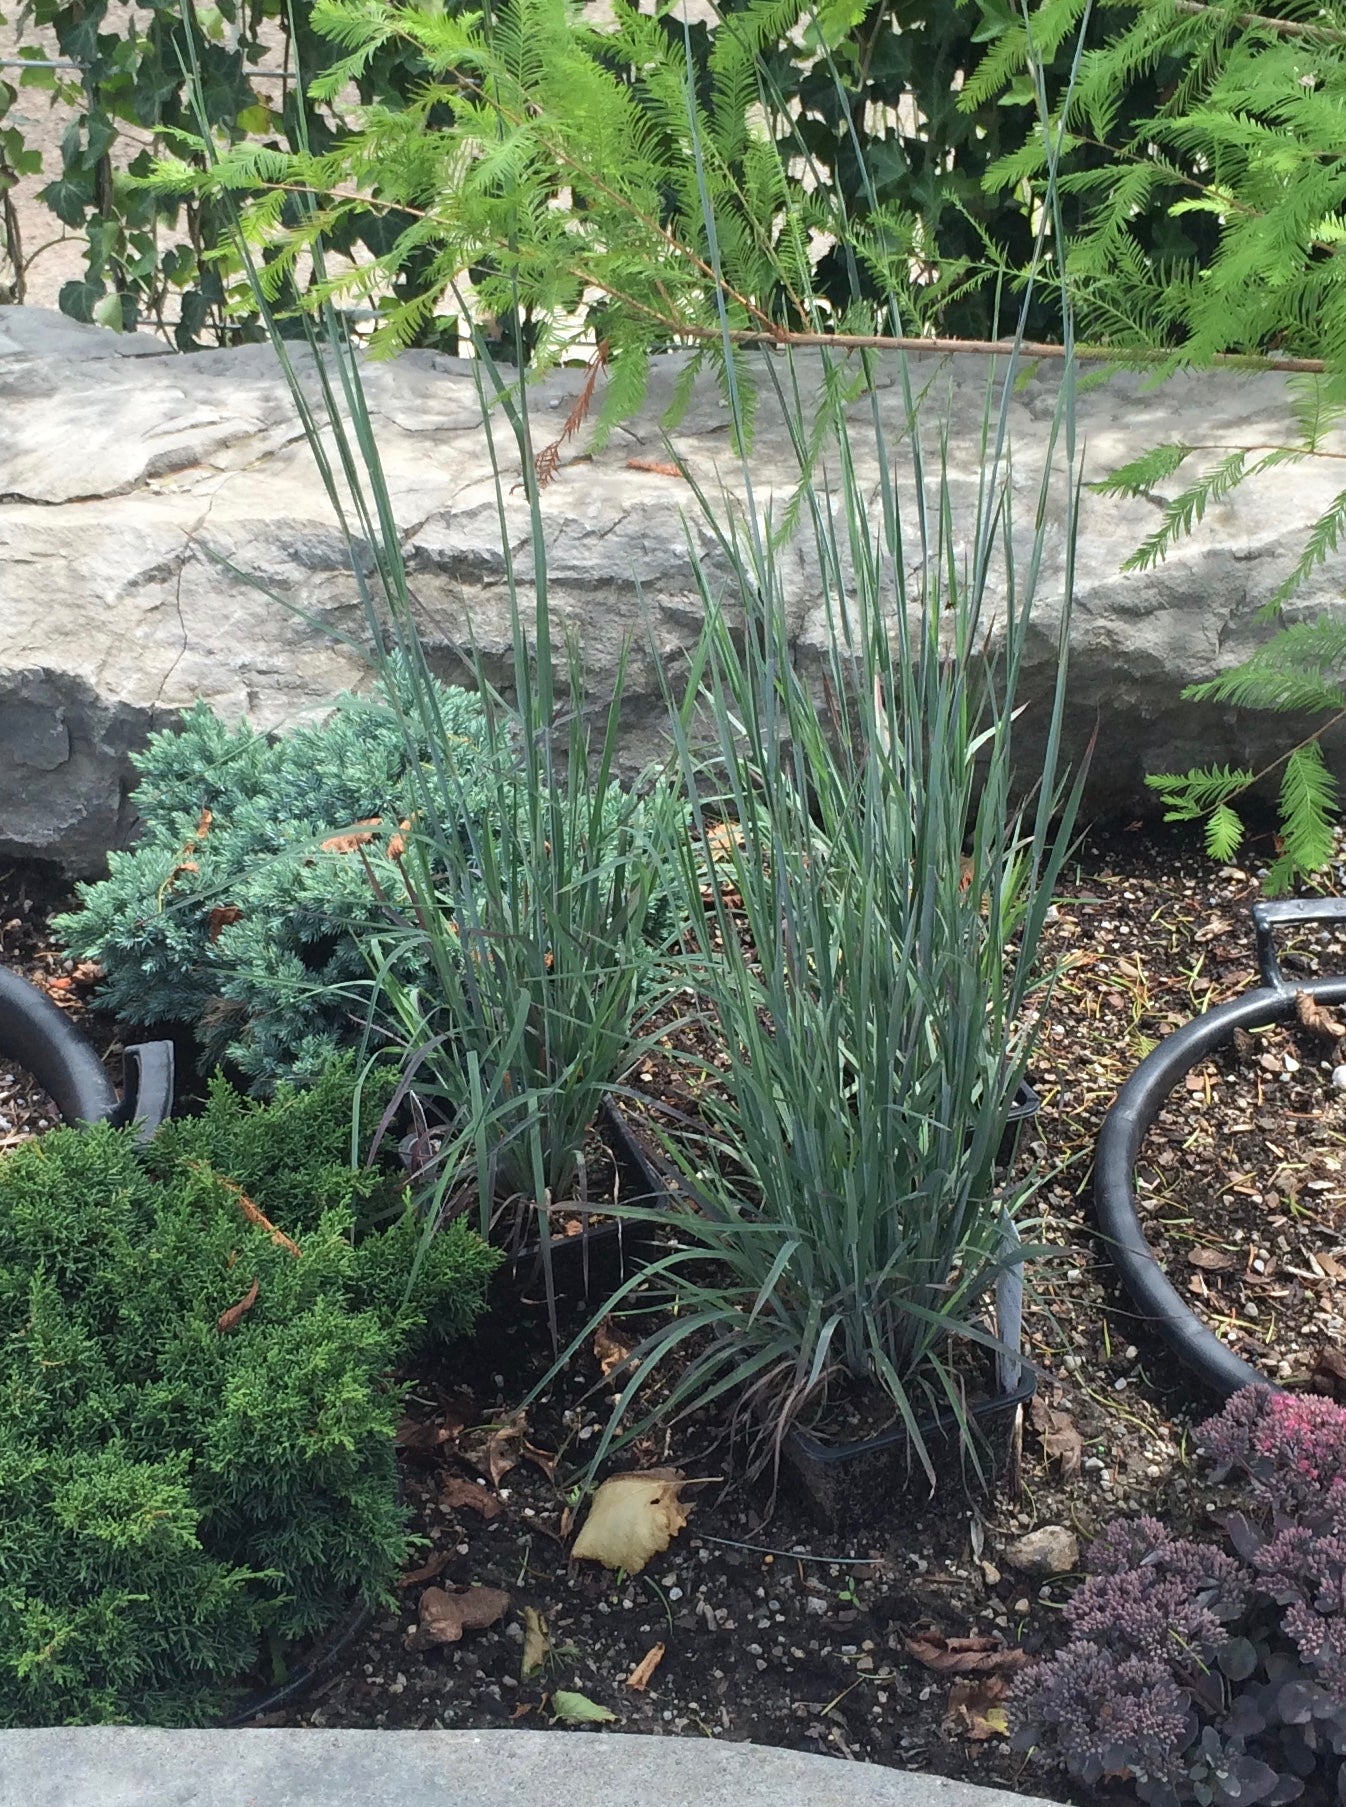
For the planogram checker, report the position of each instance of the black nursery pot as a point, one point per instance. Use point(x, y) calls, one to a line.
point(857, 1483)
point(1024, 1105)
point(854, 1485)
point(42, 1039)
point(599, 1257)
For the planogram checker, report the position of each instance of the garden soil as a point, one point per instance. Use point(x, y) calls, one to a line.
point(759, 1623)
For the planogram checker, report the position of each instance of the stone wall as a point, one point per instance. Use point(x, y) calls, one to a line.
point(133, 479)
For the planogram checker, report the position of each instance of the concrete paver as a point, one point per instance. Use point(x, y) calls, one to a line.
point(100, 1766)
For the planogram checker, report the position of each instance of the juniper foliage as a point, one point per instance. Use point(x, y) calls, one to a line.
point(180, 1499)
point(240, 909)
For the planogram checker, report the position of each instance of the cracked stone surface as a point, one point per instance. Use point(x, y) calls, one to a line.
point(164, 536)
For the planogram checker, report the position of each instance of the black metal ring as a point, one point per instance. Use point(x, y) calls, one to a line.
point(1138, 1104)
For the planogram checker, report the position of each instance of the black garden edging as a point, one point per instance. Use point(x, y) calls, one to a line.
point(1159, 1304)
point(41, 1039)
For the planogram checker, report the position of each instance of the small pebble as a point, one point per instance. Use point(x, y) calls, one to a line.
point(1050, 1550)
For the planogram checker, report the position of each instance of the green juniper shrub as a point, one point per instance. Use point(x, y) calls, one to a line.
point(187, 1486)
point(292, 1154)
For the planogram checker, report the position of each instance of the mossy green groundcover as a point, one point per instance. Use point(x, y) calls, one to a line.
point(197, 1409)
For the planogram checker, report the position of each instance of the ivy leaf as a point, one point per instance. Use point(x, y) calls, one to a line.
point(578, 1709)
point(100, 136)
point(69, 196)
point(79, 297)
point(108, 312)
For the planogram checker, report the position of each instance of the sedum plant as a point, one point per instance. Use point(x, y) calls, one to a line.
point(197, 1408)
point(1207, 1674)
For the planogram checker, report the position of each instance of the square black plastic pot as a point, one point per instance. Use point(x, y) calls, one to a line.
point(1024, 1105)
point(858, 1484)
point(596, 1260)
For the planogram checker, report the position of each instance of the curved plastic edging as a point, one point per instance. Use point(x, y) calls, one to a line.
point(35, 1034)
point(1137, 1105)
point(148, 1081)
point(288, 1692)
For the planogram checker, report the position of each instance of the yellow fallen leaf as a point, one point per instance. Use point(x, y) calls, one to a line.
point(536, 1643)
point(632, 1518)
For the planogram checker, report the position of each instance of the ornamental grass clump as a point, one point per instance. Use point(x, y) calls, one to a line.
point(899, 842)
point(536, 945)
point(197, 1403)
point(878, 851)
point(1211, 1674)
point(514, 964)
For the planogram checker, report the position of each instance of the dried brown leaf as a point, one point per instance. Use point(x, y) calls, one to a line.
point(1061, 1440)
point(434, 1565)
point(231, 1319)
point(975, 1710)
point(962, 1656)
point(221, 917)
point(423, 1435)
point(1064, 1444)
point(1328, 1374)
point(1219, 925)
point(1213, 1261)
point(457, 1493)
point(494, 1452)
point(639, 1678)
point(445, 1615)
point(1316, 1019)
point(359, 836)
point(542, 1459)
point(610, 1350)
point(658, 467)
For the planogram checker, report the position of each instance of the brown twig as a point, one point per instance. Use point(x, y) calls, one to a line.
point(1288, 28)
point(548, 460)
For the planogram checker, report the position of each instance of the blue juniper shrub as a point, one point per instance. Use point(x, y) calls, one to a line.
point(1214, 1673)
point(229, 913)
point(267, 870)
point(187, 1487)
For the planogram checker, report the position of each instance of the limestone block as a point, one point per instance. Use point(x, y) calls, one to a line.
point(164, 536)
